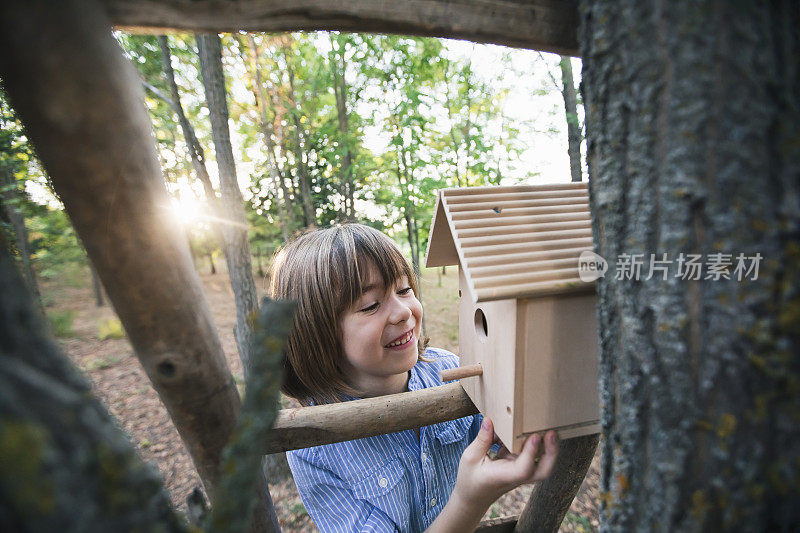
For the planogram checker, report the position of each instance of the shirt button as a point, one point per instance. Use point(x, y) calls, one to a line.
point(433, 502)
point(383, 482)
point(424, 456)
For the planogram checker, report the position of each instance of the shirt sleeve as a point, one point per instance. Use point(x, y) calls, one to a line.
point(329, 500)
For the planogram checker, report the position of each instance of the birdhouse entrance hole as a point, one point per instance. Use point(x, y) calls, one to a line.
point(481, 329)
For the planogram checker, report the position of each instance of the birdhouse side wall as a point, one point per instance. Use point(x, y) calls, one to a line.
point(493, 393)
point(560, 364)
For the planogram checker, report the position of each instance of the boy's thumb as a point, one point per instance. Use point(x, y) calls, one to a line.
point(480, 446)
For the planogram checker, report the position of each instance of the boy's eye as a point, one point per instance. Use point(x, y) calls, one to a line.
point(404, 291)
point(369, 308)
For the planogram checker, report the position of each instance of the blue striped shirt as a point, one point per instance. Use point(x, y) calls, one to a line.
point(390, 482)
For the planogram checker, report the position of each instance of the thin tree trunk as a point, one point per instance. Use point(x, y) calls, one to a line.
point(573, 127)
point(694, 148)
point(9, 196)
point(340, 91)
point(253, 54)
point(196, 151)
point(97, 287)
point(211, 263)
point(66, 78)
point(234, 229)
point(302, 157)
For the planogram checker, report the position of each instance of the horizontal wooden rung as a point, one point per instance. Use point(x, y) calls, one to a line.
point(461, 372)
point(337, 422)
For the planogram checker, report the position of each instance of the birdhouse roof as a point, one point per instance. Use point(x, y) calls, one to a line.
point(513, 242)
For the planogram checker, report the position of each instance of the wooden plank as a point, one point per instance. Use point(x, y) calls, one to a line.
point(548, 25)
point(485, 219)
point(483, 265)
point(325, 424)
point(530, 290)
point(532, 202)
point(489, 212)
point(535, 235)
point(505, 194)
point(491, 250)
point(502, 230)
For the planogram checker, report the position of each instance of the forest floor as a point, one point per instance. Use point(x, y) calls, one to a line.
point(120, 382)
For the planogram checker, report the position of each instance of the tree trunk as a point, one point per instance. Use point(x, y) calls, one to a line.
point(302, 168)
point(261, 103)
point(97, 287)
point(340, 91)
point(9, 197)
point(694, 147)
point(234, 229)
point(196, 151)
point(66, 464)
point(573, 126)
point(67, 76)
point(213, 268)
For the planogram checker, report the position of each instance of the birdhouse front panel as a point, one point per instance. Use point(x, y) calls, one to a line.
point(487, 334)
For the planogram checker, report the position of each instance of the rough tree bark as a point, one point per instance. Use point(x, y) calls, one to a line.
point(66, 464)
point(694, 147)
point(234, 229)
point(65, 78)
point(233, 221)
point(571, 110)
point(304, 177)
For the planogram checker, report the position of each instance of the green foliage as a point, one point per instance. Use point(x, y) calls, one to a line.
point(61, 322)
point(110, 328)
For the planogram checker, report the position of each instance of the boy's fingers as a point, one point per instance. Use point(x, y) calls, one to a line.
point(525, 463)
point(480, 446)
point(548, 460)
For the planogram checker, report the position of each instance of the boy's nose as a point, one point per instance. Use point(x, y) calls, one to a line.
point(401, 312)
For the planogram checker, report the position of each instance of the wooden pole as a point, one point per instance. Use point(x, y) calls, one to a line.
point(81, 103)
point(338, 422)
point(461, 372)
point(548, 25)
point(551, 498)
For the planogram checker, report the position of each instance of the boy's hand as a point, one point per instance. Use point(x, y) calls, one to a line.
point(482, 480)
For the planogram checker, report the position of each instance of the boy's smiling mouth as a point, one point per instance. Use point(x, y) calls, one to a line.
point(403, 339)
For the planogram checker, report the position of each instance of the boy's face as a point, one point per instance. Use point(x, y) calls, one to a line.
point(380, 333)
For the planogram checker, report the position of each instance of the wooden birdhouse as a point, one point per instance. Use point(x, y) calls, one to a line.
point(525, 315)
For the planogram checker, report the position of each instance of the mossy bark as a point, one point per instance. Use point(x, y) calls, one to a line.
point(694, 147)
point(65, 465)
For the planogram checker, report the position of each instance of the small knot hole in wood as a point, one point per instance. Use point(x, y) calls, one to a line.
point(496, 210)
point(481, 328)
point(166, 369)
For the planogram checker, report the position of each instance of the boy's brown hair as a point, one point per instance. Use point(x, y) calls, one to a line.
point(323, 272)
